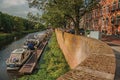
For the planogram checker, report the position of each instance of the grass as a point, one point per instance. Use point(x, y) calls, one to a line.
point(3, 35)
point(51, 65)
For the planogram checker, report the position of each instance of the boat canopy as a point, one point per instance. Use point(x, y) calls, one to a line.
point(18, 51)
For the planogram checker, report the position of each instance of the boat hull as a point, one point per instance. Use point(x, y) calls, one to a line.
point(13, 69)
point(13, 66)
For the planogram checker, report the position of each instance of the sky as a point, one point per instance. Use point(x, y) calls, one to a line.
point(16, 8)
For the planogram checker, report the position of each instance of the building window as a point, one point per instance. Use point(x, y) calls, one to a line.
point(90, 16)
point(98, 0)
point(87, 25)
point(101, 12)
point(117, 20)
point(107, 9)
point(114, 6)
point(93, 15)
point(107, 21)
point(96, 22)
point(112, 20)
point(105, 25)
point(119, 4)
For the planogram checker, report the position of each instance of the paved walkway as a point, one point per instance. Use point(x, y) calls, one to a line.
point(117, 73)
point(116, 50)
point(114, 43)
point(111, 39)
point(99, 65)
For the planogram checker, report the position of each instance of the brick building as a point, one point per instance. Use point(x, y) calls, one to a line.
point(106, 18)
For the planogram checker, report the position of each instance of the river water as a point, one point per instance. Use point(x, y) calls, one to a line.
point(5, 53)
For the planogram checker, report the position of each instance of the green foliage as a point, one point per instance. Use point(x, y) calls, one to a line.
point(59, 13)
point(3, 35)
point(52, 65)
point(18, 24)
point(33, 17)
point(9, 24)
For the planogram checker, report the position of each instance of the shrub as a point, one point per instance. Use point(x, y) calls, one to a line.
point(52, 63)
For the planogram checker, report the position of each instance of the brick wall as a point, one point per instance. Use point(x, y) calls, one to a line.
point(105, 18)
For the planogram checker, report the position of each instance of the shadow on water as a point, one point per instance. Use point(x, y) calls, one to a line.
point(9, 39)
point(5, 53)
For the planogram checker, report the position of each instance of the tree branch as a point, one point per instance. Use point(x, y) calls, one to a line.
point(70, 17)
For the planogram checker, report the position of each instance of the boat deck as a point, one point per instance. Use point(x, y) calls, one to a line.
point(30, 64)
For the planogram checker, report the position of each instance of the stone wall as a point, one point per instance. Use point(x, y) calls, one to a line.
point(87, 54)
point(72, 47)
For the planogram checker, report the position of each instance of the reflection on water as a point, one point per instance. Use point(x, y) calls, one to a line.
point(5, 53)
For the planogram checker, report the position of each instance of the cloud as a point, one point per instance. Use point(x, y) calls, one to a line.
point(23, 12)
point(9, 3)
point(34, 10)
point(17, 8)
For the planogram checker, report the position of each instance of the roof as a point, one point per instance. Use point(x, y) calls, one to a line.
point(31, 36)
point(19, 51)
point(18, 56)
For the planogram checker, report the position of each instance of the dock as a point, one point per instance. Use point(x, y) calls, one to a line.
point(30, 64)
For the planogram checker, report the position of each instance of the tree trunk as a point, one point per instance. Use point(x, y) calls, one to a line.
point(77, 20)
point(76, 28)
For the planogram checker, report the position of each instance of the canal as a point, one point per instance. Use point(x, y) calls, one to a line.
point(5, 53)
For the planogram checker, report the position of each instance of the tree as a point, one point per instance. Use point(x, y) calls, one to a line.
point(18, 24)
point(54, 19)
point(6, 23)
point(9, 24)
point(0, 20)
point(32, 17)
point(60, 12)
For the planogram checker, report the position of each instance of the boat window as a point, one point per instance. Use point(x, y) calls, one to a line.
point(23, 56)
point(14, 60)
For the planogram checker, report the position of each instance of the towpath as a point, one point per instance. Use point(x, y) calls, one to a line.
point(116, 49)
point(114, 43)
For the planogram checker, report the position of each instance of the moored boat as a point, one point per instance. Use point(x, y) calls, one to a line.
point(17, 58)
point(36, 40)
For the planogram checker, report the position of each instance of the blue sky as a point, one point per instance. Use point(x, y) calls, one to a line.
point(16, 7)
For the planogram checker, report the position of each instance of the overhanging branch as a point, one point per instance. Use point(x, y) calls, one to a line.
point(70, 17)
